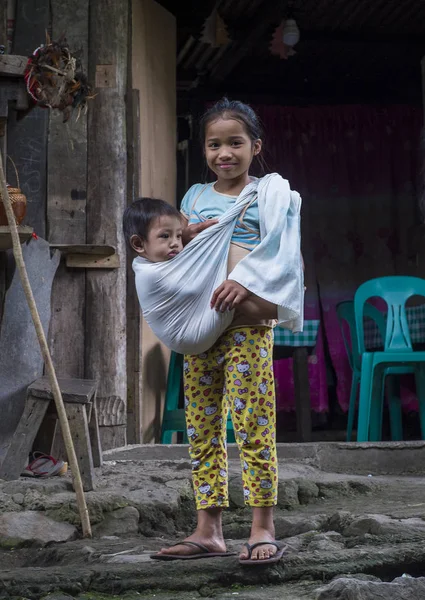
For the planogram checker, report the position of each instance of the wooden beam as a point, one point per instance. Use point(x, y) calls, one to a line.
point(105, 346)
point(66, 203)
point(134, 358)
point(27, 138)
point(3, 25)
point(267, 15)
point(12, 65)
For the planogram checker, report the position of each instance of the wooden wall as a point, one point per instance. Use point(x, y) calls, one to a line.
point(153, 74)
point(79, 177)
point(75, 178)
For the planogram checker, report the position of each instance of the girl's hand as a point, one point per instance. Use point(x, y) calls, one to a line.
point(191, 231)
point(228, 295)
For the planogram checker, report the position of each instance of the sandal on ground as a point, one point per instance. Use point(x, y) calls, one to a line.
point(44, 465)
point(202, 552)
point(281, 548)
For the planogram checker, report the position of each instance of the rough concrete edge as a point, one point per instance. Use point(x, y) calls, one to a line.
point(377, 458)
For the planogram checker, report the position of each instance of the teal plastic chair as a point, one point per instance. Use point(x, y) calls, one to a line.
point(345, 313)
point(397, 353)
point(173, 420)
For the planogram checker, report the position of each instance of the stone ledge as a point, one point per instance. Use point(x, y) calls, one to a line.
point(383, 458)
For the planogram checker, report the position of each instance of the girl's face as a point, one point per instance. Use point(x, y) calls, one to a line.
point(228, 148)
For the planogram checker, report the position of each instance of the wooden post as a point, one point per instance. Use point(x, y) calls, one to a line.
point(66, 203)
point(3, 25)
point(153, 71)
point(423, 83)
point(105, 345)
point(134, 347)
point(302, 394)
point(27, 138)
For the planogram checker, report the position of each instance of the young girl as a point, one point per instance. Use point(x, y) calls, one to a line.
point(236, 373)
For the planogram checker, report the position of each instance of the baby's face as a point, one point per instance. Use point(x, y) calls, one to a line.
point(164, 239)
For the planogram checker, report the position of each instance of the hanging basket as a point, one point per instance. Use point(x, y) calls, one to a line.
point(54, 78)
point(17, 199)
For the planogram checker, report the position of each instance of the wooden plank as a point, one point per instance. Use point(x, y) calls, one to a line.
point(105, 348)
point(95, 443)
point(66, 202)
point(3, 25)
point(134, 380)
point(3, 267)
point(302, 394)
point(12, 65)
point(80, 391)
point(6, 237)
point(84, 249)
point(27, 138)
point(154, 74)
point(78, 424)
point(16, 457)
point(92, 261)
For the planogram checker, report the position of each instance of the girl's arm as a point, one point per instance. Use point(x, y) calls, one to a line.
point(231, 294)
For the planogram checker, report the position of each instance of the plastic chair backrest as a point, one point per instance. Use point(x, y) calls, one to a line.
point(395, 291)
point(345, 312)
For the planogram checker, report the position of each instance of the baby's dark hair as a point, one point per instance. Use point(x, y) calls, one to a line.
point(232, 109)
point(139, 216)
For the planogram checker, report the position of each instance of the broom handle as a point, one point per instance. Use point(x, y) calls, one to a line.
point(57, 395)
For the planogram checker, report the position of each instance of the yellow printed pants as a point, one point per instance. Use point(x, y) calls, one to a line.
point(236, 374)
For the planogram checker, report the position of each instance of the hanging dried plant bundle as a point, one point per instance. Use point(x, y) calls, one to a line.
point(55, 79)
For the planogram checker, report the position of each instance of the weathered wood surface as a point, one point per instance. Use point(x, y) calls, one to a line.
point(91, 261)
point(302, 394)
point(153, 72)
point(134, 339)
point(78, 424)
point(3, 266)
point(3, 25)
point(66, 203)
point(75, 391)
point(106, 201)
point(6, 236)
point(21, 361)
point(96, 447)
point(27, 138)
point(16, 456)
point(12, 65)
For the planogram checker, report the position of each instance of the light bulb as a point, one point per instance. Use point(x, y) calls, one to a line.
point(291, 33)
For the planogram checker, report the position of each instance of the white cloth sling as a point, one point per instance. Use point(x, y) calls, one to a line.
point(175, 295)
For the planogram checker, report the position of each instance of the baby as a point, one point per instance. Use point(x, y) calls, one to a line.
point(153, 228)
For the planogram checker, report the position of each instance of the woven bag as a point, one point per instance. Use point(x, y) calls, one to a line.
point(18, 200)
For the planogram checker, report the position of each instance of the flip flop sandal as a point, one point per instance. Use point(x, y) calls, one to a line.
point(281, 548)
point(203, 552)
point(43, 465)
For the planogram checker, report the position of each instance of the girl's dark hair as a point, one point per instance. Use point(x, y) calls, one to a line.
point(139, 216)
point(232, 109)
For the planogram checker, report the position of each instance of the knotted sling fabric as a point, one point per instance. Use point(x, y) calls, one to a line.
point(175, 295)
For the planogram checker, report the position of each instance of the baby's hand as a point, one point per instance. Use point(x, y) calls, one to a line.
point(228, 295)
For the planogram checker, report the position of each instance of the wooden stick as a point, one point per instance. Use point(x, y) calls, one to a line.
point(57, 395)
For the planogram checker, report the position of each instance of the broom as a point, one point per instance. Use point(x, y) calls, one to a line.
point(60, 407)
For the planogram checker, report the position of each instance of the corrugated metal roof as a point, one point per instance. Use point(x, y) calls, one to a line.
point(342, 35)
